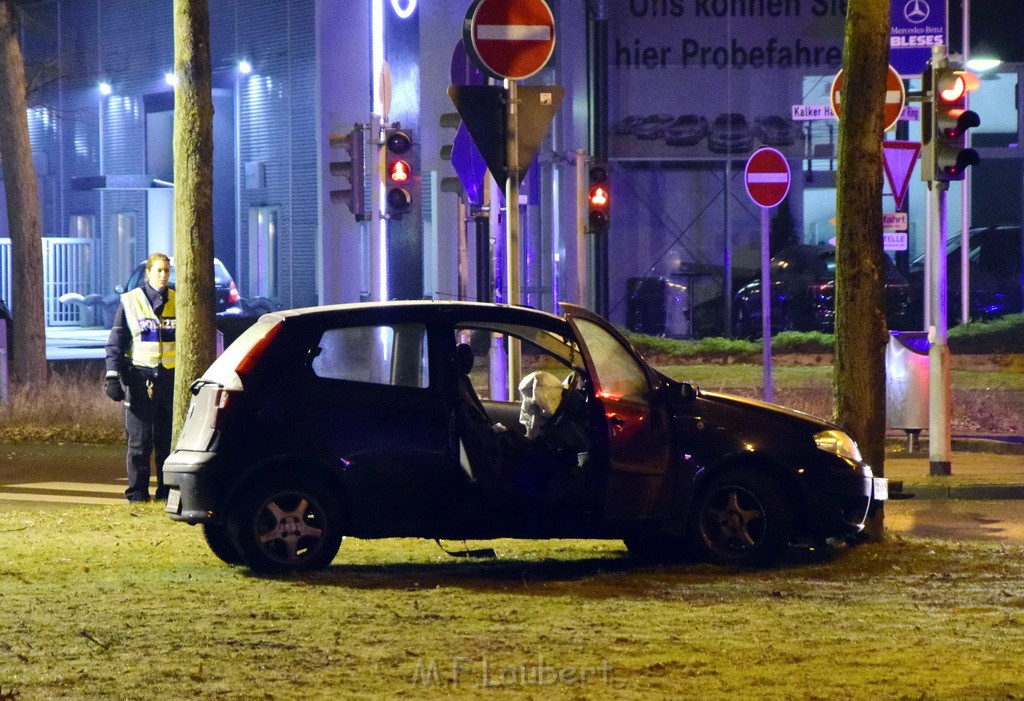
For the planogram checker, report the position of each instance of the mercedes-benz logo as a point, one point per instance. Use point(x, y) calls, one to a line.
point(916, 11)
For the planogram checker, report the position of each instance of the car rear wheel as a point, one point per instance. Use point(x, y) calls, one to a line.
point(219, 540)
point(741, 519)
point(283, 526)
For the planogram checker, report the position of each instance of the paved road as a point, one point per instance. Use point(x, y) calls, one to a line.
point(41, 475)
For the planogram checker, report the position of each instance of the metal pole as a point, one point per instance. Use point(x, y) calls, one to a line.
point(965, 189)
point(582, 298)
point(513, 265)
point(482, 225)
point(378, 224)
point(939, 361)
point(727, 257)
point(766, 309)
point(463, 255)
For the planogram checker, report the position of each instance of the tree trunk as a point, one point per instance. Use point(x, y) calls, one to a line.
point(860, 332)
point(28, 364)
point(193, 199)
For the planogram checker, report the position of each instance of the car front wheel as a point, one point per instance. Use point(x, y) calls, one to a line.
point(741, 519)
point(287, 526)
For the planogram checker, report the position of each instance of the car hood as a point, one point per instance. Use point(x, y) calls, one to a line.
point(752, 425)
point(765, 409)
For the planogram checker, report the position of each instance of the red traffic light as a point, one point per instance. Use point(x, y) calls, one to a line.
point(398, 171)
point(598, 197)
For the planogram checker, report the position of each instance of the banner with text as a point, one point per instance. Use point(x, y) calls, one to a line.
point(710, 79)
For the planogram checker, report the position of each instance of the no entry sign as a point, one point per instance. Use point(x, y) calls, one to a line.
point(767, 177)
point(895, 97)
point(510, 38)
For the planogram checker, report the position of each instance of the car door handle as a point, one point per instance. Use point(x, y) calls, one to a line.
point(617, 422)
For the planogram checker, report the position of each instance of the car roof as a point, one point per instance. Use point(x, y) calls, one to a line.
point(433, 305)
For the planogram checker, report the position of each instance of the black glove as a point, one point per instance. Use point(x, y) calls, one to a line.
point(114, 389)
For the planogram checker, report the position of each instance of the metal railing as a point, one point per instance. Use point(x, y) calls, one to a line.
point(69, 265)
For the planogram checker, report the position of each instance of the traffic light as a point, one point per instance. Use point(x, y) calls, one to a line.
point(599, 198)
point(398, 172)
point(945, 156)
point(352, 170)
point(450, 120)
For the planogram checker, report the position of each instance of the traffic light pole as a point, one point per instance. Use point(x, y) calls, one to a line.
point(939, 359)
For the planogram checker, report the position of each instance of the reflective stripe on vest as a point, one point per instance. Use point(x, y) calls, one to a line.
point(152, 336)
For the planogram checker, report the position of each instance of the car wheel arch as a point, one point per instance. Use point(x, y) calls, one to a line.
point(304, 468)
point(781, 475)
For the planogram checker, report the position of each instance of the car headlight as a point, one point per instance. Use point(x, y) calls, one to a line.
point(838, 443)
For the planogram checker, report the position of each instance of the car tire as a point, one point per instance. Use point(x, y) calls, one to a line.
point(741, 519)
point(219, 539)
point(286, 526)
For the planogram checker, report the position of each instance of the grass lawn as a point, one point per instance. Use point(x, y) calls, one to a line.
point(121, 602)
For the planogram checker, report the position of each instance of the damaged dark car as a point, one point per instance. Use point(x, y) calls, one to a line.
point(398, 420)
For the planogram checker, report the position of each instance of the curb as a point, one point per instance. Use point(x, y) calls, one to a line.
point(976, 492)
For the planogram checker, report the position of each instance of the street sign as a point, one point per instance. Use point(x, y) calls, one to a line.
point(482, 108)
point(469, 165)
point(894, 241)
point(767, 177)
point(895, 97)
point(895, 221)
point(898, 158)
point(464, 70)
point(915, 26)
point(510, 39)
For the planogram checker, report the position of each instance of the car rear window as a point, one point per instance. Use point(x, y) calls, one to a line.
point(384, 355)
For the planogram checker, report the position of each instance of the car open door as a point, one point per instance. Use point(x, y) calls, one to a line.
point(635, 420)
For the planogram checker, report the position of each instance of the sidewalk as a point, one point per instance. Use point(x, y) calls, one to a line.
point(981, 469)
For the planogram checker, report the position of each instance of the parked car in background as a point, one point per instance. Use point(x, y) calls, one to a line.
point(234, 313)
point(730, 133)
point(776, 131)
point(224, 285)
point(376, 420)
point(653, 126)
point(686, 130)
point(995, 276)
point(803, 280)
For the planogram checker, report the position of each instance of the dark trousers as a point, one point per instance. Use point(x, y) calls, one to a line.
point(147, 421)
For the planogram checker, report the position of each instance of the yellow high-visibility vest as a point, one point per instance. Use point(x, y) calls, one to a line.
point(152, 335)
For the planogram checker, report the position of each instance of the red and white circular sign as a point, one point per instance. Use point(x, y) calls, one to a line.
point(510, 38)
point(895, 96)
point(767, 177)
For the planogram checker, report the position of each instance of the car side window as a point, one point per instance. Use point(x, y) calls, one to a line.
point(384, 355)
point(489, 351)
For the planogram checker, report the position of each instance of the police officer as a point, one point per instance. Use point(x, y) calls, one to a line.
point(140, 356)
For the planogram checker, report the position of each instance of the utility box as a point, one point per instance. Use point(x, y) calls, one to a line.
point(906, 381)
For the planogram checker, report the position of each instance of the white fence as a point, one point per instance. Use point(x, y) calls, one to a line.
point(69, 265)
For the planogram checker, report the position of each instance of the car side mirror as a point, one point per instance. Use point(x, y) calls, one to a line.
point(688, 391)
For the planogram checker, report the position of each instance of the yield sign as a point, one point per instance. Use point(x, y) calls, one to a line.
point(899, 158)
point(510, 38)
point(895, 97)
point(767, 177)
